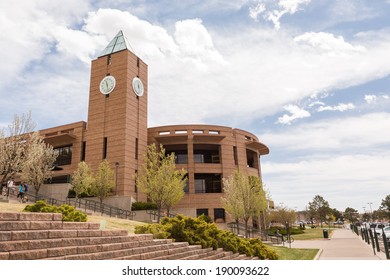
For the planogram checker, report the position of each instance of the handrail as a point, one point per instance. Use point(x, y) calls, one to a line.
point(155, 214)
point(87, 205)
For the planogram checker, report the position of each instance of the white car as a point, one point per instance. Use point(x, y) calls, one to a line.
point(378, 228)
point(386, 230)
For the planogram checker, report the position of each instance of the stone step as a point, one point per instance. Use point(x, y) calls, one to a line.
point(85, 243)
point(55, 233)
point(138, 253)
point(29, 216)
point(182, 253)
point(43, 225)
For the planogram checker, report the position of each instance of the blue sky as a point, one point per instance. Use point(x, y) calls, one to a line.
point(309, 77)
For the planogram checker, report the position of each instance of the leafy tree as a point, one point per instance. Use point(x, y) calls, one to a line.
point(159, 178)
point(337, 215)
point(13, 146)
point(39, 160)
point(244, 197)
point(82, 179)
point(385, 206)
point(351, 214)
point(319, 209)
point(104, 181)
point(283, 215)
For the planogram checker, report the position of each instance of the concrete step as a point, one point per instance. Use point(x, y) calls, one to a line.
point(29, 216)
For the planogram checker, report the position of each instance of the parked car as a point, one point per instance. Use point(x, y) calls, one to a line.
point(386, 230)
point(339, 222)
point(377, 229)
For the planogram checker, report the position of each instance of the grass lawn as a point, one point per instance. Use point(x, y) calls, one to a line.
point(312, 233)
point(285, 253)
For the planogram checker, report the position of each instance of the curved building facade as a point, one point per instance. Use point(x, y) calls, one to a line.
point(208, 153)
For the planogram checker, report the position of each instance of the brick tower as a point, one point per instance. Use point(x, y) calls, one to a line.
point(117, 114)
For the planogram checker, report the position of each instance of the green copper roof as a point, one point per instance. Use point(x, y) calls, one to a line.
point(118, 43)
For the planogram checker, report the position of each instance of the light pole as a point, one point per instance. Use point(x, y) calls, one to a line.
point(370, 203)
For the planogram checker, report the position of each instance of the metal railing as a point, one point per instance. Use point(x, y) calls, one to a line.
point(85, 205)
point(153, 214)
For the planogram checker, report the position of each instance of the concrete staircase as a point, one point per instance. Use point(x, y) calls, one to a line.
point(29, 236)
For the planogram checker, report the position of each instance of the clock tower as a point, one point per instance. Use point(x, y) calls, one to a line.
point(117, 114)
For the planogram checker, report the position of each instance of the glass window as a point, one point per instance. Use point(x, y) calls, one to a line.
point(206, 153)
point(203, 211)
point(64, 155)
point(208, 183)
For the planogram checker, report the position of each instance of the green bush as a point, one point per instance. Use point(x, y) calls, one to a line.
point(200, 231)
point(143, 206)
point(69, 213)
point(282, 230)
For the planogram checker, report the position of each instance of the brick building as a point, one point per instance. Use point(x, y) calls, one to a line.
point(117, 131)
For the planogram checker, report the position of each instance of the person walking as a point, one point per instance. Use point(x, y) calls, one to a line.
point(21, 192)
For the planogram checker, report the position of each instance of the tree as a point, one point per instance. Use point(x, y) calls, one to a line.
point(13, 146)
point(162, 182)
point(385, 206)
point(351, 214)
point(319, 209)
point(284, 216)
point(82, 179)
point(244, 197)
point(38, 161)
point(104, 181)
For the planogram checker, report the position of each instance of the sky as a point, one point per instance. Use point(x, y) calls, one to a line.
point(310, 78)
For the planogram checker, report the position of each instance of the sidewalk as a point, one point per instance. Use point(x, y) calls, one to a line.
point(343, 245)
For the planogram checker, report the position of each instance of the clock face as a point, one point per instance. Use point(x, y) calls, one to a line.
point(107, 84)
point(138, 87)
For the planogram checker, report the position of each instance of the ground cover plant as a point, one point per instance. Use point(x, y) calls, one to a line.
point(69, 213)
point(201, 231)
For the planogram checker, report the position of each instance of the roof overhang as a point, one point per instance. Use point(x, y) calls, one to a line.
point(259, 147)
point(60, 139)
point(208, 138)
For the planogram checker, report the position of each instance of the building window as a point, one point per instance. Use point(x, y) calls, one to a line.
point(208, 183)
point(219, 215)
point(235, 155)
point(136, 148)
point(251, 158)
point(64, 155)
point(203, 211)
point(206, 153)
point(180, 151)
point(83, 146)
point(105, 148)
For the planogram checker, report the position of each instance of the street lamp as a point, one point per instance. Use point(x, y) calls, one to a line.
point(370, 203)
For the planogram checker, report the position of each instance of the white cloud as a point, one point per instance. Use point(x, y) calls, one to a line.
point(277, 10)
point(256, 11)
point(296, 113)
point(370, 98)
point(327, 42)
point(368, 131)
point(341, 107)
point(358, 177)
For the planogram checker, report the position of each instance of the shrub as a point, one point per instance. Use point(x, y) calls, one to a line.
point(200, 231)
point(143, 206)
point(69, 213)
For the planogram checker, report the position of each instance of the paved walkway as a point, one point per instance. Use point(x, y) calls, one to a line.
point(343, 245)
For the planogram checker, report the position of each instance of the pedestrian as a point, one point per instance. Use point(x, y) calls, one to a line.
point(25, 186)
point(21, 192)
point(10, 185)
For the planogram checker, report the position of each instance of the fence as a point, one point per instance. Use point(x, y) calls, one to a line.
point(378, 242)
point(86, 205)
